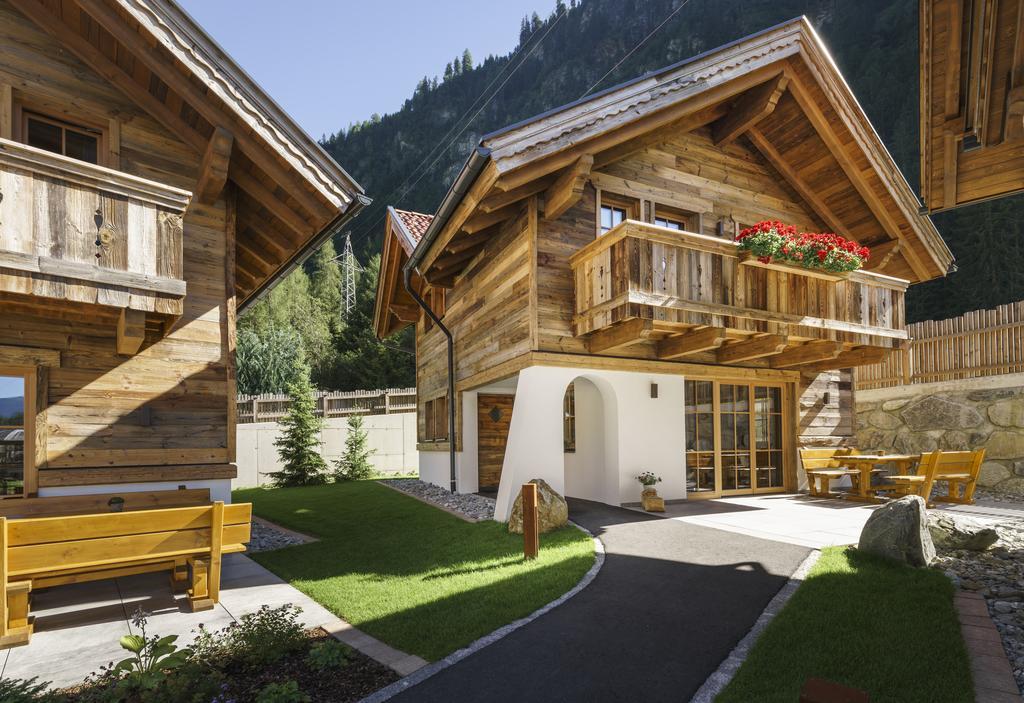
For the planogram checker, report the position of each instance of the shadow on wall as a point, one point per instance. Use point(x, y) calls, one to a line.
point(591, 470)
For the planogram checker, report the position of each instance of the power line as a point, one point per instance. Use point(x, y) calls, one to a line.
point(467, 123)
point(634, 49)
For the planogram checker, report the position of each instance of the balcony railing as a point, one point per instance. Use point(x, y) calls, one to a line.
point(73, 231)
point(664, 282)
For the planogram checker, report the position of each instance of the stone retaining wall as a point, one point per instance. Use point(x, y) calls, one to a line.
point(968, 414)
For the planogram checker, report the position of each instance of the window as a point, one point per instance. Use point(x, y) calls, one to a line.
point(435, 416)
point(12, 436)
point(569, 419)
point(614, 209)
point(435, 298)
point(75, 141)
point(674, 218)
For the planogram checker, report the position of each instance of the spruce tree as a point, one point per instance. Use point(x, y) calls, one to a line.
point(448, 73)
point(298, 445)
point(467, 61)
point(354, 464)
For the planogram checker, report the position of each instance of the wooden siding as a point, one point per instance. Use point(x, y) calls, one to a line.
point(825, 424)
point(488, 311)
point(162, 414)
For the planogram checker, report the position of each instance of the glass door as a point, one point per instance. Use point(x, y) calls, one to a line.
point(12, 436)
point(734, 438)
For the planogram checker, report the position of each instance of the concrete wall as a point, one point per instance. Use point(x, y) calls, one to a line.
point(969, 414)
point(392, 437)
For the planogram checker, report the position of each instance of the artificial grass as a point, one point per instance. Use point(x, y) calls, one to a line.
point(864, 622)
point(409, 574)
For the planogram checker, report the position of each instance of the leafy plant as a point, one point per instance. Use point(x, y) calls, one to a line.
point(152, 657)
point(354, 464)
point(254, 641)
point(648, 479)
point(328, 655)
point(27, 691)
point(298, 445)
point(286, 692)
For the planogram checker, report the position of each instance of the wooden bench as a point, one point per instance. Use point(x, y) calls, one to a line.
point(959, 469)
point(53, 506)
point(825, 465)
point(51, 551)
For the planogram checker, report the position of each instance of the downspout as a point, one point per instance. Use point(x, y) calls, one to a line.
point(407, 282)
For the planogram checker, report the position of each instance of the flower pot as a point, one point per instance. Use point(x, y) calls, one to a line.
point(749, 258)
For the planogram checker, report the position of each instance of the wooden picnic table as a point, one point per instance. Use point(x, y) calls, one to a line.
point(868, 464)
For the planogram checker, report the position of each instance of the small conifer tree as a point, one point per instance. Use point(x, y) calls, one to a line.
point(354, 464)
point(297, 446)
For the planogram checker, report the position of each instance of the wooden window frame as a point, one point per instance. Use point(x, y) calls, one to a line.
point(631, 206)
point(569, 419)
point(690, 220)
point(108, 148)
point(435, 298)
point(31, 380)
point(435, 419)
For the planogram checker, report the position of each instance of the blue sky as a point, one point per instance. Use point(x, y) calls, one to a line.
point(11, 387)
point(332, 62)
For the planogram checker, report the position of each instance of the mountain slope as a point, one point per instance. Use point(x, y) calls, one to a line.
point(409, 158)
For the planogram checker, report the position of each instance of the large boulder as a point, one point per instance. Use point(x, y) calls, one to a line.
point(950, 531)
point(552, 510)
point(899, 530)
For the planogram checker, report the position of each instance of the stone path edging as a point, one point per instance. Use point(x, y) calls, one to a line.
point(429, 670)
point(725, 672)
point(990, 667)
point(301, 536)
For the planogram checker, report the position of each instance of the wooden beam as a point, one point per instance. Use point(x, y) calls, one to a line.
point(659, 135)
point(131, 331)
point(950, 158)
point(259, 258)
point(882, 254)
point(405, 313)
point(568, 188)
point(466, 241)
point(213, 170)
point(809, 353)
point(6, 111)
point(481, 187)
point(445, 268)
point(749, 349)
point(268, 199)
point(751, 107)
point(853, 173)
point(951, 93)
point(502, 199)
point(203, 102)
point(704, 340)
point(1014, 125)
point(265, 237)
point(860, 356)
point(486, 219)
point(619, 335)
point(805, 191)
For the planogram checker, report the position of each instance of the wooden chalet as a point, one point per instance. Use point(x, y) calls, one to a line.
point(149, 189)
point(972, 101)
point(604, 323)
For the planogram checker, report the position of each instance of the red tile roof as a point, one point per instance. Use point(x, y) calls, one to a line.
point(415, 223)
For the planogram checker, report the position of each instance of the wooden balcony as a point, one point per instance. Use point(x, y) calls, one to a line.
point(696, 299)
point(72, 231)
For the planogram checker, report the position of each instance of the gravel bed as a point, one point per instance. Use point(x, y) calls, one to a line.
point(265, 538)
point(998, 575)
point(999, 497)
point(473, 506)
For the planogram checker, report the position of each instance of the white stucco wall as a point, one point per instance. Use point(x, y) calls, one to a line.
point(392, 438)
point(220, 489)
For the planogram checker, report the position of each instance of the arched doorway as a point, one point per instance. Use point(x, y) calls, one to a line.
point(590, 440)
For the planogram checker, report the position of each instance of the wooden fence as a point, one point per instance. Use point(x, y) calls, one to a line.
point(271, 407)
point(979, 343)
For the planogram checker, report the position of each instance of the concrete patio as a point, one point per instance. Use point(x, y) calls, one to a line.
point(802, 520)
point(77, 627)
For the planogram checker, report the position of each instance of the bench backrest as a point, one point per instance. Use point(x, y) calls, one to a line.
point(960, 463)
point(52, 506)
point(830, 458)
point(62, 544)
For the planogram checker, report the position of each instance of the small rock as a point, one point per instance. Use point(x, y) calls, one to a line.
point(955, 532)
point(1001, 606)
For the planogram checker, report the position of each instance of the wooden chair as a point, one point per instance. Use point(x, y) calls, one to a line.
point(918, 483)
point(825, 465)
point(54, 506)
point(960, 471)
point(51, 551)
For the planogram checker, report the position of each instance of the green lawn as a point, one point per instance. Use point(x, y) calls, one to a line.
point(864, 622)
point(409, 574)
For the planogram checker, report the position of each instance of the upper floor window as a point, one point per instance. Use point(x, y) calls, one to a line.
point(674, 218)
point(613, 210)
point(74, 141)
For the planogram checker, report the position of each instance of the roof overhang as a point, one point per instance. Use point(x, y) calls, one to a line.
point(528, 158)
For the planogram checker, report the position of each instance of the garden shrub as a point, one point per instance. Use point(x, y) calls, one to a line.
point(254, 641)
point(285, 692)
point(27, 691)
point(354, 464)
point(328, 655)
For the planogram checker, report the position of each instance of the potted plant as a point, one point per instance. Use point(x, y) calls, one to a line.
point(116, 504)
point(648, 481)
point(772, 243)
point(649, 499)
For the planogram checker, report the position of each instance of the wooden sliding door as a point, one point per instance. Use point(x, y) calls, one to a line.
point(735, 438)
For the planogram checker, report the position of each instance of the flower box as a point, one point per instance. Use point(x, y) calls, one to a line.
point(748, 258)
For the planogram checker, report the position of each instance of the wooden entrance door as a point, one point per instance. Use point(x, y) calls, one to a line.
point(493, 418)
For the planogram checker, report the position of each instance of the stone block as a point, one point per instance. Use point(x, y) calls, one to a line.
point(1007, 413)
point(883, 420)
point(652, 503)
point(938, 412)
point(993, 472)
point(1005, 444)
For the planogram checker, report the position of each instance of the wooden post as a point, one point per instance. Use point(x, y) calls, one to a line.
point(531, 522)
point(216, 548)
point(5, 615)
